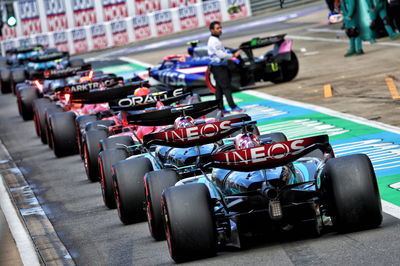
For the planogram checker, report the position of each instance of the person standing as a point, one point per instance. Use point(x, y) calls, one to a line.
point(219, 67)
point(350, 23)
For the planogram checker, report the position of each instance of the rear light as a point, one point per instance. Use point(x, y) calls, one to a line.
point(38, 85)
point(47, 74)
point(67, 97)
point(90, 74)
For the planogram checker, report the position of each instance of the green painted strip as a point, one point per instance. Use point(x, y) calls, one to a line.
point(390, 194)
point(123, 68)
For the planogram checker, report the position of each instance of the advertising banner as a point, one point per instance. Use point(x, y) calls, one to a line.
point(119, 32)
point(141, 27)
point(79, 41)
point(188, 18)
point(180, 3)
point(84, 12)
point(42, 39)
point(25, 41)
point(29, 17)
point(147, 6)
point(211, 11)
point(99, 36)
point(237, 9)
point(8, 32)
point(56, 15)
point(60, 40)
point(6, 45)
point(114, 10)
point(163, 22)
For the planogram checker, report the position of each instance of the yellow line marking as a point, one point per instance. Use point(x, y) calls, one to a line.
point(327, 91)
point(392, 88)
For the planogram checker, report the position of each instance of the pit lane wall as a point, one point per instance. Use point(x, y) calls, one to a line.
point(81, 26)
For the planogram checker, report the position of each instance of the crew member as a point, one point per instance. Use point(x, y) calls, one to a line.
point(219, 67)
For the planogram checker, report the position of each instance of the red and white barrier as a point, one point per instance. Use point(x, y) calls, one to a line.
point(81, 26)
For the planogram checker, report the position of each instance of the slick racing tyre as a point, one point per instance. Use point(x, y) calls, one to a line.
point(189, 222)
point(47, 113)
point(91, 152)
point(39, 118)
point(18, 75)
point(63, 135)
point(107, 158)
point(210, 81)
point(5, 80)
point(25, 99)
point(289, 69)
point(35, 103)
point(80, 125)
point(155, 182)
point(351, 192)
point(129, 188)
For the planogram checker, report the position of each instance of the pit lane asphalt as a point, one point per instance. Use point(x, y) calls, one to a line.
point(95, 236)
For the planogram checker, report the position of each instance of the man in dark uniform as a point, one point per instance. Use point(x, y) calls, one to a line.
point(219, 66)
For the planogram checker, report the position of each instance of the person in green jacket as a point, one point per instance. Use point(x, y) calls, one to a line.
point(350, 23)
point(378, 8)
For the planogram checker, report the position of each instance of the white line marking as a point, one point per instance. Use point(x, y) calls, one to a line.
point(325, 30)
point(391, 209)
point(27, 251)
point(134, 61)
point(306, 38)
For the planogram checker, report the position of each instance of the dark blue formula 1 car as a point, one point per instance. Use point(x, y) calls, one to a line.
point(15, 57)
point(277, 65)
point(259, 185)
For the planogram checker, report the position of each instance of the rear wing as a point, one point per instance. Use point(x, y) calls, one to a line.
point(132, 102)
point(61, 73)
point(196, 135)
point(266, 156)
point(49, 57)
point(262, 42)
point(168, 115)
point(92, 92)
point(25, 49)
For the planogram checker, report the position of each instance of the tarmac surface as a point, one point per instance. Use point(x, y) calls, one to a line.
point(94, 235)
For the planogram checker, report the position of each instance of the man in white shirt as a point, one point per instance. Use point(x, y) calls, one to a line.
point(219, 66)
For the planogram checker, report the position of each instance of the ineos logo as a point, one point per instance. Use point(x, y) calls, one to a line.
point(54, 7)
point(98, 30)
point(82, 5)
point(78, 34)
point(186, 12)
point(280, 150)
point(197, 132)
point(118, 26)
point(28, 9)
point(210, 7)
point(60, 37)
point(140, 21)
point(162, 17)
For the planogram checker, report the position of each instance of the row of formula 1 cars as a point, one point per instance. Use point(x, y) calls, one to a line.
point(202, 179)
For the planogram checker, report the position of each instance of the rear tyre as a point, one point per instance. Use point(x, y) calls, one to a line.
point(190, 222)
point(155, 182)
point(62, 130)
point(129, 188)
point(80, 124)
point(210, 81)
point(39, 118)
point(351, 193)
point(18, 75)
point(107, 159)
point(5, 80)
point(25, 99)
point(289, 69)
point(91, 152)
point(47, 113)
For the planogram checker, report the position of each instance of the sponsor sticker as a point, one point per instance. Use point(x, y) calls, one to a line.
point(164, 23)
point(141, 27)
point(188, 17)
